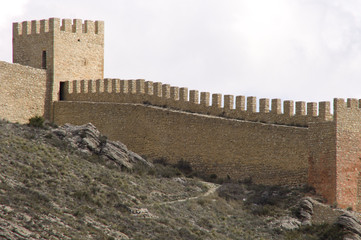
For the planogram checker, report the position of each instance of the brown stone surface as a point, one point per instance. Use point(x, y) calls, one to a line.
point(74, 50)
point(270, 154)
point(22, 92)
point(322, 159)
point(141, 91)
point(348, 165)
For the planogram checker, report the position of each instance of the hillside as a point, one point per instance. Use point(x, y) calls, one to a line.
point(51, 189)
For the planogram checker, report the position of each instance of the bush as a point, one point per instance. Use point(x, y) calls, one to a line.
point(162, 161)
point(37, 121)
point(184, 166)
point(232, 191)
point(213, 176)
point(264, 210)
point(167, 171)
point(308, 189)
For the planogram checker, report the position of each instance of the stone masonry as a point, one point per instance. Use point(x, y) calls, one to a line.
point(22, 92)
point(299, 143)
point(70, 50)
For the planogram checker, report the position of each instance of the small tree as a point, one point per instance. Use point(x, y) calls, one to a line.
point(37, 121)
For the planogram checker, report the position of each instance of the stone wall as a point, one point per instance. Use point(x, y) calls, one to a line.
point(335, 154)
point(348, 150)
point(239, 107)
point(22, 92)
point(228, 136)
point(73, 50)
point(322, 159)
point(79, 50)
point(30, 39)
point(270, 154)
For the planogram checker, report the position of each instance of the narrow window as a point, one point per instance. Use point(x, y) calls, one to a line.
point(43, 64)
point(61, 92)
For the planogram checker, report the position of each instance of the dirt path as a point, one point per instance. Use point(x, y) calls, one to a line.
point(212, 189)
point(144, 212)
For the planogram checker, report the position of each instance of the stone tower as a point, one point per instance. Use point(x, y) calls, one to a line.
point(67, 49)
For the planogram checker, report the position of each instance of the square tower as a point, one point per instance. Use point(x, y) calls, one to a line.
point(67, 49)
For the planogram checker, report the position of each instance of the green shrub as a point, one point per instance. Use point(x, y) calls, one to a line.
point(264, 210)
point(37, 121)
point(184, 166)
point(162, 161)
point(167, 171)
point(308, 189)
point(213, 176)
point(247, 181)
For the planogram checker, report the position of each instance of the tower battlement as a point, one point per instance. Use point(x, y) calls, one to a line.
point(57, 25)
point(67, 49)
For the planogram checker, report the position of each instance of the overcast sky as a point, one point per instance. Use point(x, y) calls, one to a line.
point(306, 50)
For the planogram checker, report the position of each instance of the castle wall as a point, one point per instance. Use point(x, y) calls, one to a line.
point(334, 158)
point(30, 39)
point(348, 164)
point(322, 159)
point(158, 94)
point(79, 50)
point(73, 50)
point(22, 92)
point(270, 154)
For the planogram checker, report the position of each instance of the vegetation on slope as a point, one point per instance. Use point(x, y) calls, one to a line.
point(49, 190)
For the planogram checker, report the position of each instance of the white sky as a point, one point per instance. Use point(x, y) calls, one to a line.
point(291, 49)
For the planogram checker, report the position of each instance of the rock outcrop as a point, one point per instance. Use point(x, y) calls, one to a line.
point(306, 210)
point(89, 140)
point(352, 226)
point(348, 221)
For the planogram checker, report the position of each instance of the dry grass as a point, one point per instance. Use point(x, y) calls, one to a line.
point(56, 192)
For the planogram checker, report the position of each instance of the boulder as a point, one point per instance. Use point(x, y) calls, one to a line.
point(306, 210)
point(352, 226)
point(89, 140)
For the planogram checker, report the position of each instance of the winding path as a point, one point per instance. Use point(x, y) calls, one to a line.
point(144, 212)
point(212, 189)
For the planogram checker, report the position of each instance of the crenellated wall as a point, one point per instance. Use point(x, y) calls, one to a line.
point(229, 136)
point(268, 153)
point(51, 25)
point(67, 49)
point(158, 94)
point(335, 155)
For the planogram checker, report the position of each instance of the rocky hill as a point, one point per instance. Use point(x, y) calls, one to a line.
point(72, 183)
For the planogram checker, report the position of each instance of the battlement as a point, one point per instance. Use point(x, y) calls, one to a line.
point(57, 25)
point(352, 104)
point(238, 107)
